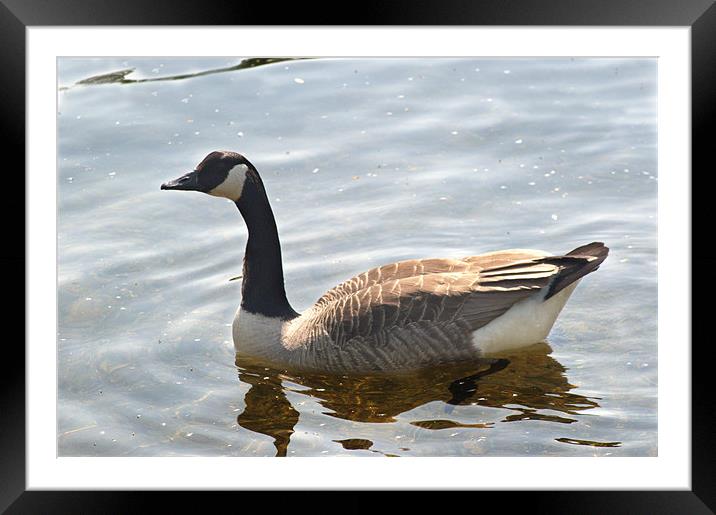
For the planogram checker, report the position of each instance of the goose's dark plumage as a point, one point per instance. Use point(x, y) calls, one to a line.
point(404, 315)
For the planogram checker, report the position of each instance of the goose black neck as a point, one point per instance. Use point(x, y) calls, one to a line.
point(262, 289)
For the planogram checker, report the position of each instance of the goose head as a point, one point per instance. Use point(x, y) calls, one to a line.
point(221, 174)
point(230, 175)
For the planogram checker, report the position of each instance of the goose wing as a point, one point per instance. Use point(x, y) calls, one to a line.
point(466, 294)
point(417, 267)
point(470, 298)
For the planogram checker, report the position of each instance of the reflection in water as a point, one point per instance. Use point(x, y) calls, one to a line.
point(353, 444)
point(120, 76)
point(465, 387)
point(448, 424)
point(530, 383)
point(268, 411)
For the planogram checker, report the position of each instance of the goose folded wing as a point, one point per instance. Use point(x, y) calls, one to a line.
point(468, 299)
point(416, 267)
point(394, 272)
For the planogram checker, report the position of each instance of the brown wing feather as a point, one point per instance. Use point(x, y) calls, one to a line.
point(470, 292)
point(465, 297)
point(394, 271)
point(416, 267)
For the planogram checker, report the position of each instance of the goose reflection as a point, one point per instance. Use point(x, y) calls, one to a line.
point(267, 411)
point(529, 383)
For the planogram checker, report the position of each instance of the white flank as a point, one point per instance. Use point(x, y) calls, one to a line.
point(526, 322)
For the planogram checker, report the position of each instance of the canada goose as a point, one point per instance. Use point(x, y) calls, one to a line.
point(400, 316)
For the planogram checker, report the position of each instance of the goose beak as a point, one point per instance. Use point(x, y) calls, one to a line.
point(188, 182)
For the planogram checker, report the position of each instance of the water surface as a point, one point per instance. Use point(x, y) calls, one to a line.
point(366, 161)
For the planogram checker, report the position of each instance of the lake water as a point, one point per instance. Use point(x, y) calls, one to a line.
point(366, 162)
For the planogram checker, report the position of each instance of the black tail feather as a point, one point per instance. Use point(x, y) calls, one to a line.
point(576, 264)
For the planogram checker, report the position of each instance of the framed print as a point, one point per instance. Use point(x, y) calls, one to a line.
point(425, 157)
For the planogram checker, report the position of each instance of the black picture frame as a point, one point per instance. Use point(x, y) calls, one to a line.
point(16, 15)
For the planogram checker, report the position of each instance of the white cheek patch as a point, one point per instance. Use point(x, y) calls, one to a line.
point(233, 184)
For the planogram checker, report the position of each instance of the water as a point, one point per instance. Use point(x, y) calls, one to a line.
point(366, 161)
